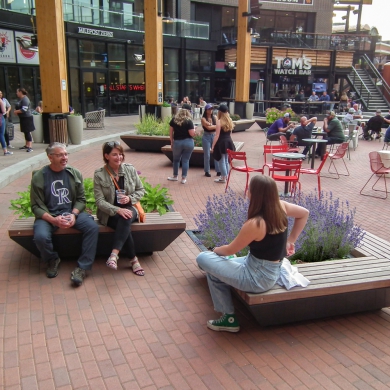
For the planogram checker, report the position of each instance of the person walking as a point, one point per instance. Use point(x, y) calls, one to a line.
point(222, 142)
point(181, 133)
point(25, 117)
point(6, 117)
point(2, 129)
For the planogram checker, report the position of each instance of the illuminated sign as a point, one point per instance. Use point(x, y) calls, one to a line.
point(303, 2)
point(93, 31)
point(300, 66)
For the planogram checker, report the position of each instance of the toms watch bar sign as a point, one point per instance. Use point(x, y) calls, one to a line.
point(300, 66)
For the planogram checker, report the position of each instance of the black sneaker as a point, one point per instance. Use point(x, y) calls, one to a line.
point(28, 150)
point(24, 147)
point(207, 174)
point(77, 276)
point(52, 269)
point(218, 173)
point(227, 323)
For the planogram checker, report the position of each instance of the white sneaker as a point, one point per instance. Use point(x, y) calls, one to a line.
point(220, 180)
point(173, 178)
point(183, 181)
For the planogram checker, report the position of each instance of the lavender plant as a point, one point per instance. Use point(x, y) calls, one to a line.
point(330, 232)
point(222, 219)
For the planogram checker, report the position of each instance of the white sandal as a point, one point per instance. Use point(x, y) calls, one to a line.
point(112, 261)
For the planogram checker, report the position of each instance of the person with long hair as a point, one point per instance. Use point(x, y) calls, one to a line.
point(25, 117)
point(117, 210)
point(181, 133)
point(266, 234)
point(3, 129)
point(222, 142)
point(209, 124)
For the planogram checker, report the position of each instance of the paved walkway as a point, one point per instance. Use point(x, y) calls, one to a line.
point(119, 330)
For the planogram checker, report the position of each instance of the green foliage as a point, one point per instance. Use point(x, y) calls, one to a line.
point(235, 117)
point(272, 114)
point(89, 196)
point(166, 104)
point(150, 125)
point(155, 198)
point(198, 140)
point(22, 205)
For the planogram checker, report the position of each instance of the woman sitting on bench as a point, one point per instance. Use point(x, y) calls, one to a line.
point(117, 188)
point(265, 232)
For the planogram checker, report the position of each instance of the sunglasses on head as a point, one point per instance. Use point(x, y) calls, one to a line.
point(112, 144)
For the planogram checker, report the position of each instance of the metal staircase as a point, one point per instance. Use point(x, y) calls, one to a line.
point(369, 86)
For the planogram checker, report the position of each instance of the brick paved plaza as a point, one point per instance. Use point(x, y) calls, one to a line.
point(119, 330)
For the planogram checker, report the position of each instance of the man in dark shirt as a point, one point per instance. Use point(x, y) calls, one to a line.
point(325, 98)
point(56, 190)
point(374, 124)
point(304, 130)
point(279, 127)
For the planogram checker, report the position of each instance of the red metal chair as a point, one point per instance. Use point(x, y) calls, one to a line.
point(292, 168)
point(240, 156)
point(377, 168)
point(308, 171)
point(291, 148)
point(338, 155)
point(269, 149)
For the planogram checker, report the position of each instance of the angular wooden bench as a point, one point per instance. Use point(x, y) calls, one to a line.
point(336, 287)
point(151, 236)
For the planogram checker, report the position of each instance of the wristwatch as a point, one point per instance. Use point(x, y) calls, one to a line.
point(75, 214)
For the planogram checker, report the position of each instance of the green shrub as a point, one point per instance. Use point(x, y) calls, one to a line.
point(235, 117)
point(155, 198)
point(150, 125)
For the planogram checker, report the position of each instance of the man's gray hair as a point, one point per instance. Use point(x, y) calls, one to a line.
point(53, 145)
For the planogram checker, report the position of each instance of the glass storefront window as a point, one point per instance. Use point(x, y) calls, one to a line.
point(27, 82)
point(192, 87)
point(136, 86)
point(116, 56)
point(93, 54)
point(171, 60)
point(205, 61)
point(75, 90)
point(132, 62)
point(285, 22)
point(192, 60)
point(118, 92)
point(229, 16)
point(171, 86)
point(73, 52)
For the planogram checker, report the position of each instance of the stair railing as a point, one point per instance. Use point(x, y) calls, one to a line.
point(384, 86)
point(363, 87)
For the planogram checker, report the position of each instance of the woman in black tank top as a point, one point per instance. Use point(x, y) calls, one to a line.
point(265, 232)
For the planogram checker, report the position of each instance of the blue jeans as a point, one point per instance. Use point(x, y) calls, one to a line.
point(182, 150)
point(2, 131)
point(84, 222)
point(248, 274)
point(223, 165)
point(207, 142)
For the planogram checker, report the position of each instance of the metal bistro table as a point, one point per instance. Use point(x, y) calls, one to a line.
point(314, 141)
point(288, 156)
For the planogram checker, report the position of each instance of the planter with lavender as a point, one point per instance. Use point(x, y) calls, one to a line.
point(344, 285)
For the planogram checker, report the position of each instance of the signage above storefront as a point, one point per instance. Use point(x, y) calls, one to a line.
point(300, 66)
point(302, 2)
point(93, 31)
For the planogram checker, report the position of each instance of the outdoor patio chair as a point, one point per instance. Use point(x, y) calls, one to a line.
point(95, 119)
point(308, 171)
point(292, 169)
point(377, 168)
point(338, 155)
point(241, 157)
point(269, 149)
point(291, 148)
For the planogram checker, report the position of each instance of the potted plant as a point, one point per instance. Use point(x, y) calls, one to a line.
point(75, 128)
point(272, 114)
point(166, 111)
point(152, 134)
point(38, 132)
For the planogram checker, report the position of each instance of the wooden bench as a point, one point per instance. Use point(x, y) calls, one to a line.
point(336, 287)
point(151, 236)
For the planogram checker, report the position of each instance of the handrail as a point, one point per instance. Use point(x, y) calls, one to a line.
point(362, 84)
point(376, 72)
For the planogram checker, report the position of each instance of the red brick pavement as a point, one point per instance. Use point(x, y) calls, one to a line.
point(119, 330)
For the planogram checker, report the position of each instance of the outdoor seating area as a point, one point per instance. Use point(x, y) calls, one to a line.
point(121, 331)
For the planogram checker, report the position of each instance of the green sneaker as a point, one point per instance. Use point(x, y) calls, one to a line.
point(227, 323)
point(77, 276)
point(52, 268)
